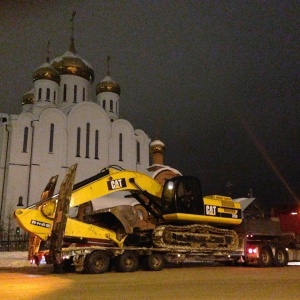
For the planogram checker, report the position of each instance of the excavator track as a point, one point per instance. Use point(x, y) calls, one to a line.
point(194, 237)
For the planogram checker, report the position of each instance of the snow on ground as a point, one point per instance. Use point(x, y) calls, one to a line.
point(14, 259)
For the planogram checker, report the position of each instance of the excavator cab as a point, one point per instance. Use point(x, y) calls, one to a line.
point(182, 194)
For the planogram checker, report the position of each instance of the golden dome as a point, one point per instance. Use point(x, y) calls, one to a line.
point(28, 98)
point(72, 64)
point(157, 146)
point(46, 71)
point(108, 85)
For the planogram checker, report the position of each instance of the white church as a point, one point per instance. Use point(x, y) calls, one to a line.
point(62, 123)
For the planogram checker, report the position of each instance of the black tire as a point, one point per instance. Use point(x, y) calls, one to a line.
point(281, 257)
point(97, 262)
point(86, 269)
point(128, 261)
point(154, 262)
point(265, 257)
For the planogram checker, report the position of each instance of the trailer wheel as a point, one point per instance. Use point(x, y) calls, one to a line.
point(128, 261)
point(265, 257)
point(97, 262)
point(154, 262)
point(86, 264)
point(281, 257)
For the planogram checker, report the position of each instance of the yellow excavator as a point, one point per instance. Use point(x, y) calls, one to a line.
point(174, 216)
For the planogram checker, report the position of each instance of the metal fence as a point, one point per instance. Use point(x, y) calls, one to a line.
point(13, 242)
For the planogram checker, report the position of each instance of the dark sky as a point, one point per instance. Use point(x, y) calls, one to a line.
point(219, 80)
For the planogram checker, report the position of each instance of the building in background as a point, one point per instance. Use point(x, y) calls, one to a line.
point(60, 125)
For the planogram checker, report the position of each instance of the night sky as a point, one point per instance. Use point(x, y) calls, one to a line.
point(219, 80)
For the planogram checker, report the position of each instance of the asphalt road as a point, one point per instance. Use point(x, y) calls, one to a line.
point(194, 282)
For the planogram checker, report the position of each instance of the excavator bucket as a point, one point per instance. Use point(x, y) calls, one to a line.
point(35, 241)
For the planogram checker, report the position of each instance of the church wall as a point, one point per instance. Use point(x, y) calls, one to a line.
point(89, 118)
point(71, 81)
point(18, 160)
point(42, 100)
point(123, 154)
point(21, 139)
point(144, 142)
point(49, 151)
point(17, 186)
point(112, 109)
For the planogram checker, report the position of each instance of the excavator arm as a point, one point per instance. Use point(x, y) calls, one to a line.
point(40, 221)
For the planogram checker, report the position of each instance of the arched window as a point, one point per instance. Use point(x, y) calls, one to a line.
point(65, 93)
point(20, 202)
point(75, 94)
point(78, 142)
point(40, 94)
point(25, 139)
point(97, 144)
point(48, 94)
point(51, 138)
point(120, 147)
point(87, 141)
point(138, 152)
point(111, 106)
point(116, 107)
point(54, 97)
point(104, 104)
point(83, 94)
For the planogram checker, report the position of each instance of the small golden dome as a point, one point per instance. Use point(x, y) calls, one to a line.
point(157, 146)
point(46, 71)
point(72, 64)
point(108, 85)
point(28, 98)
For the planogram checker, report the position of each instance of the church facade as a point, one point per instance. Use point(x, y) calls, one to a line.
point(62, 123)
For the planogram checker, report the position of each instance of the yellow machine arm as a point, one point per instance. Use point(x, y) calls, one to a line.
point(40, 221)
point(115, 181)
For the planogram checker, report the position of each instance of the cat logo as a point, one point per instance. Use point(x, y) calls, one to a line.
point(210, 210)
point(116, 184)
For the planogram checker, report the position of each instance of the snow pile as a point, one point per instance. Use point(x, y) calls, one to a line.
point(14, 259)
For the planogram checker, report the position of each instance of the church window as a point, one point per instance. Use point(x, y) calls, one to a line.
point(20, 202)
point(120, 147)
point(78, 142)
point(97, 144)
point(104, 104)
point(25, 139)
point(83, 94)
point(138, 152)
point(54, 97)
point(75, 94)
point(40, 94)
point(51, 138)
point(65, 93)
point(111, 108)
point(116, 107)
point(48, 94)
point(87, 144)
